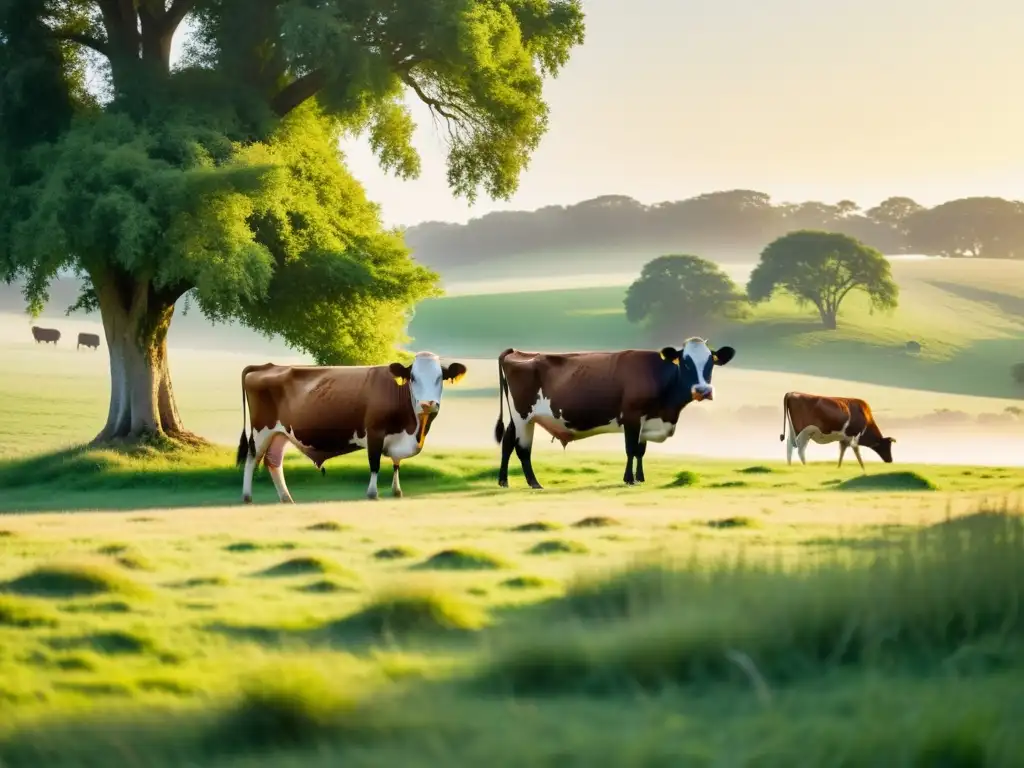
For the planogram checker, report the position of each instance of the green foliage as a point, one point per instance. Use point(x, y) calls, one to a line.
point(674, 292)
point(221, 179)
point(978, 227)
point(822, 268)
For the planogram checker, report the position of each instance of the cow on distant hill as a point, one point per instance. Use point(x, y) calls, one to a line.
point(45, 335)
point(844, 420)
point(576, 395)
point(329, 411)
point(90, 340)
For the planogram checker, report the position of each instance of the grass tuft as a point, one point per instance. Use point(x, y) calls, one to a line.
point(889, 481)
point(400, 614)
point(19, 613)
point(395, 553)
point(72, 580)
point(304, 566)
point(537, 526)
point(757, 469)
point(734, 522)
point(325, 587)
point(597, 521)
point(527, 582)
point(684, 479)
point(328, 526)
point(557, 547)
point(463, 560)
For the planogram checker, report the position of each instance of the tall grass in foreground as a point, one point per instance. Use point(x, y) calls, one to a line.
point(891, 632)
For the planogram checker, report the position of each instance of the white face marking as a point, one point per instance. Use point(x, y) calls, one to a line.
point(427, 383)
point(699, 354)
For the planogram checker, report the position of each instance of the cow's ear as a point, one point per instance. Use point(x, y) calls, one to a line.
point(670, 354)
point(402, 373)
point(454, 372)
point(723, 355)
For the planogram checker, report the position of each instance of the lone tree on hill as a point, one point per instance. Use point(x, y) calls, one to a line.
point(676, 292)
point(219, 177)
point(821, 268)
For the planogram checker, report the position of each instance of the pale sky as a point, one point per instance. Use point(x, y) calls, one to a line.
point(802, 99)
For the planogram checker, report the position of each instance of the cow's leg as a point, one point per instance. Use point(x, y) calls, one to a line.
point(641, 449)
point(856, 452)
point(259, 441)
point(842, 450)
point(508, 445)
point(524, 450)
point(274, 459)
point(374, 450)
point(790, 445)
point(632, 432)
point(396, 487)
point(801, 445)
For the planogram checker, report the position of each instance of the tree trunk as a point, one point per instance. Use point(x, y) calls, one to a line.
point(142, 406)
point(828, 318)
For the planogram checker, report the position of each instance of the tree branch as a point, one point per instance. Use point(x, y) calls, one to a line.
point(297, 91)
point(83, 39)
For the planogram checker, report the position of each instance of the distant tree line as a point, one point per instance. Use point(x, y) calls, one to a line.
point(727, 226)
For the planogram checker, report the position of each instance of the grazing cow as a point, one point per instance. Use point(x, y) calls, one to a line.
point(844, 420)
point(575, 395)
point(45, 335)
point(88, 340)
point(328, 411)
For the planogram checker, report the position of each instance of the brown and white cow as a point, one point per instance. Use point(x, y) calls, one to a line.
point(844, 420)
point(576, 395)
point(329, 411)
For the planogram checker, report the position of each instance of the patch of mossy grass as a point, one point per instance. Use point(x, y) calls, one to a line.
point(527, 582)
point(725, 523)
point(328, 526)
point(307, 565)
point(402, 613)
point(757, 469)
point(19, 613)
point(557, 547)
point(597, 521)
point(537, 526)
point(326, 587)
point(684, 479)
point(888, 481)
point(395, 553)
point(922, 603)
point(68, 580)
point(462, 559)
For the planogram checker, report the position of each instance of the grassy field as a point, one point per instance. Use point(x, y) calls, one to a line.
point(729, 614)
point(968, 317)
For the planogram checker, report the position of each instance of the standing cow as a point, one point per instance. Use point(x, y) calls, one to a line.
point(328, 411)
point(575, 395)
point(45, 335)
point(844, 420)
point(90, 340)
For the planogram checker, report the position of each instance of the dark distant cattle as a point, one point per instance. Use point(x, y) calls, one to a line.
point(575, 395)
point(330, 411)
point(88, 340)
point(45, 335)
point(844, 420)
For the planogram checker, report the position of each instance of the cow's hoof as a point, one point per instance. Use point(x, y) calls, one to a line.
point(537, 486)
point(397, 494)
point(503, 483)
point(246, 499)
point(287, 500)
point(372, 496)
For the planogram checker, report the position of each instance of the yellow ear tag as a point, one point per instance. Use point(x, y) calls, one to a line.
point(458, 378)
point(399, 381)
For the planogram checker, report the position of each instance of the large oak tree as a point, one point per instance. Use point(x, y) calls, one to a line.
point(220, 177)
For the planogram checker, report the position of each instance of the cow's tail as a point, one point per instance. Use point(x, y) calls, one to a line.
point(499, 426)
point(246, 443)
point(785, 415)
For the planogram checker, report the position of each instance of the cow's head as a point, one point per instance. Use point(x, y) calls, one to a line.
point(426, 377)
point(696, 361)
point(883, 447)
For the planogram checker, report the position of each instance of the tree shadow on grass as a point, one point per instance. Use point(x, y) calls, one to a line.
point(84, 478)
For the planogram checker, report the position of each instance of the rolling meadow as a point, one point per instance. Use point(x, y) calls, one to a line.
point(731, 611)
